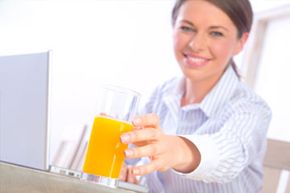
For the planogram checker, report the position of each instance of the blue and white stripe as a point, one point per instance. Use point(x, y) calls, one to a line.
point(229, 128)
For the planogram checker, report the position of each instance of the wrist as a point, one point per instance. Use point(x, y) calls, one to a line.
point(189, 156)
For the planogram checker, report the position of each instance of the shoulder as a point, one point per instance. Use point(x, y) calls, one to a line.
point(167, 86)
point(246, 101)
point(155, 99)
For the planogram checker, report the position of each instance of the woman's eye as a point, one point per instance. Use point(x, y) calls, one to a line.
point(186, 29)
point(216, 34)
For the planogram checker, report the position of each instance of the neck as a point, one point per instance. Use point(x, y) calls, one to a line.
point(194, 92)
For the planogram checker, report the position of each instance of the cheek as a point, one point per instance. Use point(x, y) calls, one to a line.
point(178, 44)
point(223, 50)
point(176, 41)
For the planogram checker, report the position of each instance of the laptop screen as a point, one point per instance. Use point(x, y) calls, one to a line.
point(24, 110)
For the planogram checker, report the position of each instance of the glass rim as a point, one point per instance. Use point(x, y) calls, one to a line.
point(120, 89)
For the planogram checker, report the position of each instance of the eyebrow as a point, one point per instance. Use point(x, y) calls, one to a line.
point(187, 22)
point(218, 27)
point(211, 27)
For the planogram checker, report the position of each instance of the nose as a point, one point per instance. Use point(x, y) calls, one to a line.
point(197, 42)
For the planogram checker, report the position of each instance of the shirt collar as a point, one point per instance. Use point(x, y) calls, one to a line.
point(219, 94)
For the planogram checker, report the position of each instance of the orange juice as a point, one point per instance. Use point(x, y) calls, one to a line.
point(105, 153)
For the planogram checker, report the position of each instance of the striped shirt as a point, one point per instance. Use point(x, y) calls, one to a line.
point(228, 127)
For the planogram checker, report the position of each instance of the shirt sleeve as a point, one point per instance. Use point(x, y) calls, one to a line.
point(226, 153)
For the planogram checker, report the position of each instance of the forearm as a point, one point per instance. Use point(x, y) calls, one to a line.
point(221, 159)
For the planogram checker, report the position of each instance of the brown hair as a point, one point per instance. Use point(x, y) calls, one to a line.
point(239, 11)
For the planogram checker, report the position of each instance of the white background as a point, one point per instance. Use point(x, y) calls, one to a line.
point(123, 42)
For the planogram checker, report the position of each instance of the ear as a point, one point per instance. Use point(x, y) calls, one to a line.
point(241, 42)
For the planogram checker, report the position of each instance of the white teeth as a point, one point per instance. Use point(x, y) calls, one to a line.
point(196, 60)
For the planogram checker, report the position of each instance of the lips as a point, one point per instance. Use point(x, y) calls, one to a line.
point(195, 61)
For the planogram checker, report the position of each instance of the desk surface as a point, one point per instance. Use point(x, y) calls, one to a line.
point(19, 179)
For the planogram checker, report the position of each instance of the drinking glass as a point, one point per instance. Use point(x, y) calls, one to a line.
point(105, 152)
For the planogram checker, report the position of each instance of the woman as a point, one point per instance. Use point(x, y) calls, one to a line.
point(205, 132)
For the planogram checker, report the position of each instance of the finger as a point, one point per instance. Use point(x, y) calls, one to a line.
point(123, 173)
point(147, 168)
point(148, 120)
point(131, 178)
point(144, 151)
point(136, 136)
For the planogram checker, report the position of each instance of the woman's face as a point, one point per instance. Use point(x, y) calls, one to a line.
point(205, 39)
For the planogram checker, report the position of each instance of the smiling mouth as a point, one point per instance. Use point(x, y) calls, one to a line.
point(194, 61)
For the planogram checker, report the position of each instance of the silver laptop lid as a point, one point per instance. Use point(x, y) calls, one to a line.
point(24, 110)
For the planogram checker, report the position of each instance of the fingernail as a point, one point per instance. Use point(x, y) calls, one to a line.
point(137, 121)
point(136, 171)
point(128, 152)
point(125, 138)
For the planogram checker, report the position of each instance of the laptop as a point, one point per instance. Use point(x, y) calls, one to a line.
point(24, 136)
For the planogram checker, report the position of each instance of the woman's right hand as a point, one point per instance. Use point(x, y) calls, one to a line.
point(164, 151)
